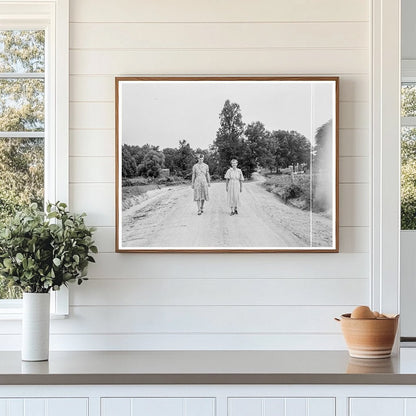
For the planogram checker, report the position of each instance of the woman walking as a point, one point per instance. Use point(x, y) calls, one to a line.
point(200, 182)
point(234, 186)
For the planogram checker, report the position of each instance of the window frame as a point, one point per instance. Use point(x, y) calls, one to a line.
point(408, 76)
point(53, 17)
point(384, 113)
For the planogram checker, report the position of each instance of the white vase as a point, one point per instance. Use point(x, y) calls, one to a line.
point(35, 326)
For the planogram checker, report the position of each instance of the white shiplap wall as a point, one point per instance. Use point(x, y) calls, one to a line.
point(214, 301)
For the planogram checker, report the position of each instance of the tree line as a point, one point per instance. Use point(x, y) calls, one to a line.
point(251, 144)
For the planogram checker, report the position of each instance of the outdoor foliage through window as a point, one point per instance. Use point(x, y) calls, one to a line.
point(22, 111)
point(408, 158)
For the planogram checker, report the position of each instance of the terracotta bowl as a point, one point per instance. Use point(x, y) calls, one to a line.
point(369, 338)
point(369, 366)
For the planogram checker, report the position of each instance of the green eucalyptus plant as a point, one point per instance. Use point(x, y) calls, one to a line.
point(43, 251)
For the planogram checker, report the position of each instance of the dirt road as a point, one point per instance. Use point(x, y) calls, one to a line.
point(168, 218)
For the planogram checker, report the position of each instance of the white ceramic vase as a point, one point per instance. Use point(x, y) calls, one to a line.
point(35, 326)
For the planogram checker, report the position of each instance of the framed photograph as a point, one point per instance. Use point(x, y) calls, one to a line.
point(226, 164)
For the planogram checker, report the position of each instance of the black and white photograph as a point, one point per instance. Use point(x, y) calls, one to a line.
point(227, 164)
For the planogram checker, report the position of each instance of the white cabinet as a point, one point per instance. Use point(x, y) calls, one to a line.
point(281, 406)
point(381, 406)
point(208, 400)
point(159, 406)
point(44, 407)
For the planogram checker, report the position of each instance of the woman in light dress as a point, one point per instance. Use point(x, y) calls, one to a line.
point(200, 182)
point(234, 186)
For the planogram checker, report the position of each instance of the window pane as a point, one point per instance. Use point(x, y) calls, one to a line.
point(21, 173)
point(9, 292)
point(408, 178)
point(22, 108)
point(22, 105)
point(21, 183)
point(408, 144)
point(22, 51)
point(409, 99)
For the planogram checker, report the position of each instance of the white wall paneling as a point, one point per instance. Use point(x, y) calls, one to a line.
point(96, 199)
point(354, 204)
point(221, 291)
point(353, 142)
point(221, 61)
point(199, 320)
point(183, 341)
point(219, 35)
point(218, 301)
point(92, 169)
point(96, 143)
point(344, 265)
point(232, 11)
point(353, 169)
point(99, 88)
point(352, 239)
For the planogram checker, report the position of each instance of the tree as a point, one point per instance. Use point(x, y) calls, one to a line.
point(180, 161)
point(128, 163)
point(170, 159)
point(22, 101)
point(22, 50)
point(289, 148)
point(408, 145)
point(184, 159)
point(408, 105)
point(257, 146)
point(21, 109)
point(139, 152)
point(408, 195)
point(408, 159)
point(152, 163)
point(408, 179)
point(229, 139)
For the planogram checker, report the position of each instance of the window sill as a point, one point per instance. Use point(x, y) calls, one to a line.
point(12, 315)
point(12, 309)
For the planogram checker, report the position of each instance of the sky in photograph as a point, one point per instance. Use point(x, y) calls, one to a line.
point(162, 113)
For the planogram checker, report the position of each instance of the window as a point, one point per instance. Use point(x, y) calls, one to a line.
point(408, 154)
point(22, 125)
point(33, 114)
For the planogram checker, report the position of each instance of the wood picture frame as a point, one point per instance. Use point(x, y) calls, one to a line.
point(283, 132)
